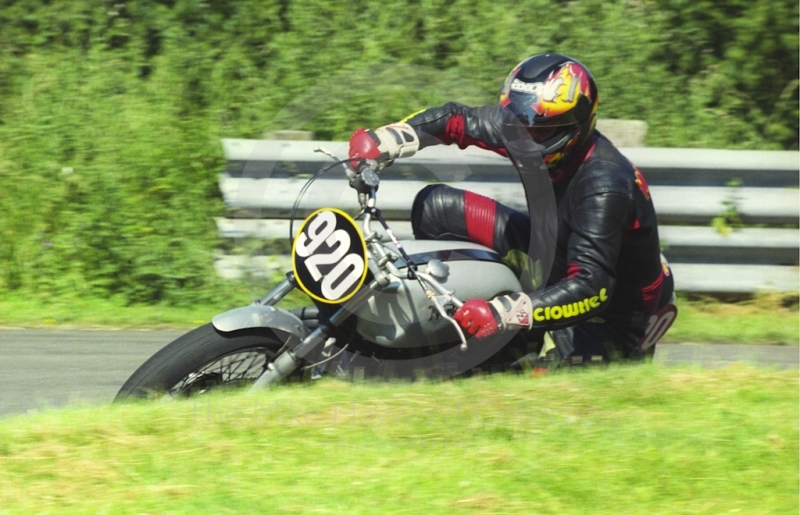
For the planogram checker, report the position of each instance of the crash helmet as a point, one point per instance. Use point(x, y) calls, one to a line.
point(553, 98)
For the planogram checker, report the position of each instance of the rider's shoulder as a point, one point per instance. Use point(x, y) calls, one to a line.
point(459, 106)
point(605, 171)
point(605, 152)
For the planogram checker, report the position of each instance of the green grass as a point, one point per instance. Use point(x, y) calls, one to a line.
point(20, 310)
point(764, 319)
point(624, 440)
point(92, 313)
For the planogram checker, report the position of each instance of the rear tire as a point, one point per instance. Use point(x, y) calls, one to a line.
point(204, 359)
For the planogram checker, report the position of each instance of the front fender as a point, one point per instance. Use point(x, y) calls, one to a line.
point(260, 316)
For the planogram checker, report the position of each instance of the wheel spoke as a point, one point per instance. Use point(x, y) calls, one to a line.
point(234, 369)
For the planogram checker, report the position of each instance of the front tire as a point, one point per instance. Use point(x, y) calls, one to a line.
point(204, 359)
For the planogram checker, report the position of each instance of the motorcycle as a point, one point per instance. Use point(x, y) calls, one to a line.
point(382, 308)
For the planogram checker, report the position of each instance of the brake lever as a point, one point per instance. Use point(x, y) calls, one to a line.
point(443, 314)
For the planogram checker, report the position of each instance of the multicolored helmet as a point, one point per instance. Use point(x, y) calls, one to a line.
point(554, 98)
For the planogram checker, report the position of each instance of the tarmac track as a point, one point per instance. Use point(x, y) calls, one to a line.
point(54, 368)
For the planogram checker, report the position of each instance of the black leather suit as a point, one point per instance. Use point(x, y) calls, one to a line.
point(607, 276)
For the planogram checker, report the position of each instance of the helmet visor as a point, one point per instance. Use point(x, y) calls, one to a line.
point(543, 137)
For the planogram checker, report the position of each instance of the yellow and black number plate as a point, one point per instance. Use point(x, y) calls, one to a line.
point(329, 256)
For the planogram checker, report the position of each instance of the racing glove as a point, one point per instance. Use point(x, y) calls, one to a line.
point(384, 144)
point(481, 318)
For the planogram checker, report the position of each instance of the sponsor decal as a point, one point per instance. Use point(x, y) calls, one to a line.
point(556, 95)
point(642, 183)
point(570, 310)
point(526, 87)
point(664, 266)
point(520, 315)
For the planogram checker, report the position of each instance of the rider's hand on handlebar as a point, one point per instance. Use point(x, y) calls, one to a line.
point(481, 318)
point(477, 318)
point(384, 144)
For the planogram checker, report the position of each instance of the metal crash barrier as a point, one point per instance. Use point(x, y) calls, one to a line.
point(750, 197)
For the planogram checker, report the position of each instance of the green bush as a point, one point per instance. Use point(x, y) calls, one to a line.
point(111, 113)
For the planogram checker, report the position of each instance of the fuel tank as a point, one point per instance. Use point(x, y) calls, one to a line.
point(402, 316)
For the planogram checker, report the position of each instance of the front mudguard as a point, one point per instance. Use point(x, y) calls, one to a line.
point(257, 316)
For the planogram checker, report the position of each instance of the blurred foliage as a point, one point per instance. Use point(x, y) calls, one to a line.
point(111, 113)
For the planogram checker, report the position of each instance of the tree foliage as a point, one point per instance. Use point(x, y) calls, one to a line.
point(111, 113)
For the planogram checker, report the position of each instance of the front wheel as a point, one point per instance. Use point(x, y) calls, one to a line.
point(204, 359)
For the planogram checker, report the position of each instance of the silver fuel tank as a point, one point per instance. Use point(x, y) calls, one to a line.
point(402, 316)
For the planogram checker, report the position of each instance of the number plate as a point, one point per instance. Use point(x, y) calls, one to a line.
point(329, 256)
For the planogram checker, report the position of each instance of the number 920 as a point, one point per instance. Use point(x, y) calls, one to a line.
point(329, 256)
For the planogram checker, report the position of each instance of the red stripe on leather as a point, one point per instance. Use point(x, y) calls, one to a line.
point(572, 270)
point(454, 133)
point(652, 293)
point(479, 215)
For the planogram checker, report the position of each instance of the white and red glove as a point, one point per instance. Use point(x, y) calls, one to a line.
point(384, 144)
point(481, 318)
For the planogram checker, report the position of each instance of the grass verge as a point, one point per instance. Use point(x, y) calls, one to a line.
point(19, 310)
point(762, 319)
point(623, 440)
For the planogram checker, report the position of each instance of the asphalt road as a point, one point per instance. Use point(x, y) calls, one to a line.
point(53, 368)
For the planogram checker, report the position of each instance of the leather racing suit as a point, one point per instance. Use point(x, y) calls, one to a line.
point(607, 275)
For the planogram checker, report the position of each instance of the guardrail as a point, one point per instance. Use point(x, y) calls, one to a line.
point(689, 187)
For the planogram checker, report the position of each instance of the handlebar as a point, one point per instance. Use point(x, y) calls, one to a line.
point(363, 177)
point(365, 180)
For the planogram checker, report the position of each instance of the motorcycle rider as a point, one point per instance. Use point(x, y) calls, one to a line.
point(607, 275)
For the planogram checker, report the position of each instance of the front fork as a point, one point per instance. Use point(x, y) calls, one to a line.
point(279, 292)
point(287, 362)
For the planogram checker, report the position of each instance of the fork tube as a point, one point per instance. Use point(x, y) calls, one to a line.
point(279, 291)
point(287, 362)
point(354, 303)
point(343, 313)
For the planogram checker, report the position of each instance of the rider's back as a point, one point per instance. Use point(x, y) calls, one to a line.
point(636, 262)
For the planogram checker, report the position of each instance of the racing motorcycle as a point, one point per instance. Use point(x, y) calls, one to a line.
point(382, 309)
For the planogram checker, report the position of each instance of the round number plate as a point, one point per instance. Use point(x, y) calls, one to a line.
point(329, 256)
